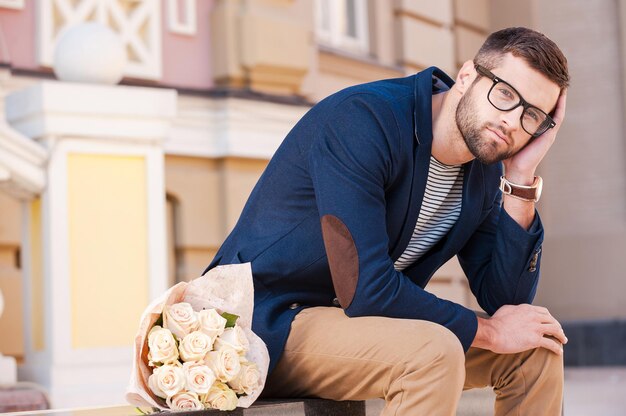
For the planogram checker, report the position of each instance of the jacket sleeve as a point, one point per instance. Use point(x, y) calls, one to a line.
point(351, 164)
point(501, 260)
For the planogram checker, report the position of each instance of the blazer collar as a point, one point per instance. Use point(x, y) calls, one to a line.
point(427, 83)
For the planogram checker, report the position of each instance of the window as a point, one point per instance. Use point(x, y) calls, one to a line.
point(181, 17)
point(342, 24)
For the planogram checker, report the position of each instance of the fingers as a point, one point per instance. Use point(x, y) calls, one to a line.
point(550, 325)
point(559, 112)
point(551, 345)
point(554, 330)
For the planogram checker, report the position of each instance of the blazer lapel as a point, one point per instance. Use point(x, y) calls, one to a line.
point(422, 144)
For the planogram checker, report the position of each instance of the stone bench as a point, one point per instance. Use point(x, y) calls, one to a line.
point(289, 407)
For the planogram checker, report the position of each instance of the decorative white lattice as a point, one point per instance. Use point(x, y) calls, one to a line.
point(138, 22)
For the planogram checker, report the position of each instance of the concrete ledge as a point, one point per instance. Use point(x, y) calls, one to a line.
point(289, 407)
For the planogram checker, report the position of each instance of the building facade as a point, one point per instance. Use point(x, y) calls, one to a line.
point(110, 194)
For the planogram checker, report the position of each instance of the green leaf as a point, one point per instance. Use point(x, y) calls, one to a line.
point(159, 322)
point(231, 319)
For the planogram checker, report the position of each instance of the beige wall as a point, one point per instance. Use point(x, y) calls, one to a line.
point(209, 195)
point(584, 202)
point(270, 46)
point(11, 321)
point(263, 45)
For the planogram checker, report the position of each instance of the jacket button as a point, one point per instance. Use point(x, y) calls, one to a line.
point(533, 262)
point(294, 305)
point(336, 302)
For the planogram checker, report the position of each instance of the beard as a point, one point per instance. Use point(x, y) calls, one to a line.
point(486, 151)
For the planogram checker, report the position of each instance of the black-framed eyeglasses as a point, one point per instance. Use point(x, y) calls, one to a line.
point(504, 97)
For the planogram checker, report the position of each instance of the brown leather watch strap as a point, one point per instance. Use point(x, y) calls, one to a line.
point(523, 193)
point(530, 193)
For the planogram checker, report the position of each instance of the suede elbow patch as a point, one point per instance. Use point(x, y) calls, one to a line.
point(343, 258)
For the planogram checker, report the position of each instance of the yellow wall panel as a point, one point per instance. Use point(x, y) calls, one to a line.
point(36, 264)
point(108, 248)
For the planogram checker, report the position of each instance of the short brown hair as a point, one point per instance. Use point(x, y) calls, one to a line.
point(535, 48)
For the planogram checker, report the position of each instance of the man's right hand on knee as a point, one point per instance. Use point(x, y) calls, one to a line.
point(517, 328)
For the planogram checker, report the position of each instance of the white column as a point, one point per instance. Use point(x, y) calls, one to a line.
point(94, 243)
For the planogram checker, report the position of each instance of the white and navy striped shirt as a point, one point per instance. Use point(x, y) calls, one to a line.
point(440, 210)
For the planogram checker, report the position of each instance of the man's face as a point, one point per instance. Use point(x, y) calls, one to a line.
point(492, 135)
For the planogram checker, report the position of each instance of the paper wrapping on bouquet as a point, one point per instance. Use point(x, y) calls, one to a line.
point(226, 288)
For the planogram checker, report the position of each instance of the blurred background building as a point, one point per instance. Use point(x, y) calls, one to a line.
point(109, 194)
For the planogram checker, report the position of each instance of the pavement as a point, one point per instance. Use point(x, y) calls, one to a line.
point(589, 391)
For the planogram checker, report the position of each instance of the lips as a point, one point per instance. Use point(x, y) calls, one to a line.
point(499, 134)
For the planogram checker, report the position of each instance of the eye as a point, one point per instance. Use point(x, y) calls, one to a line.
point(504, 92)
point(533, 115)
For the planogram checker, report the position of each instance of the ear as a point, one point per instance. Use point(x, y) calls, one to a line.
point(466, 76)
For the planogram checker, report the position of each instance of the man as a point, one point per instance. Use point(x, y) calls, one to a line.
point(372, 191)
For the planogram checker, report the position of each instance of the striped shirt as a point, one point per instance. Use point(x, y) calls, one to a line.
point(440, 210)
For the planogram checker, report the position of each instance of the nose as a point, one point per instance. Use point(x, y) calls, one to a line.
point(512, 119)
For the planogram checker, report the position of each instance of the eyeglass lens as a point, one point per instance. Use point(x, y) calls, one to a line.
point(505, 98)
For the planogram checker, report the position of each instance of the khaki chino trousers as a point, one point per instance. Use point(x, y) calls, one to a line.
point(417, 367)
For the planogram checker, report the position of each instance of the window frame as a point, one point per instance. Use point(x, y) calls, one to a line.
point(333, 37)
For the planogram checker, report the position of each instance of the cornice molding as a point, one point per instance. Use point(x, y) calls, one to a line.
point(230, 127)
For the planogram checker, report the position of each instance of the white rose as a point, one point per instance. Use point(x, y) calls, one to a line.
point(166, 380)
point(234, 338)
point(211, 323)
point(199, 378)
point(221, 397)
point(195, 346)
point(247, 380)
point(162, 346)
point(224, 363)
point(180, 319)
point(184, 401)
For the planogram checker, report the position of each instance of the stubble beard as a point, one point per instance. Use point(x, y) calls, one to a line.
point(470, 128)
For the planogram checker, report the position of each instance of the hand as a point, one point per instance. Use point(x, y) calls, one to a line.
point(523, 164)
point(517, 328)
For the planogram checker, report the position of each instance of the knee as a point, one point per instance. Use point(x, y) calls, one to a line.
point(444, 353)
point(545, 365)
point(448, 349)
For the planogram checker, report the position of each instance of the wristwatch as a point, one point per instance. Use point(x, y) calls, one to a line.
point(530, 193)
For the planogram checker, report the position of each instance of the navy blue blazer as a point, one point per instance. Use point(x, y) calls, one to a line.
point(337, 205)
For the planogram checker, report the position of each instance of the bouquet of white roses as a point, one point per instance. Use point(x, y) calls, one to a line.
point(191, 356)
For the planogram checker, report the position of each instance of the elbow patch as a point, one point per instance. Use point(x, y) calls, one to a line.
point(343, 258)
